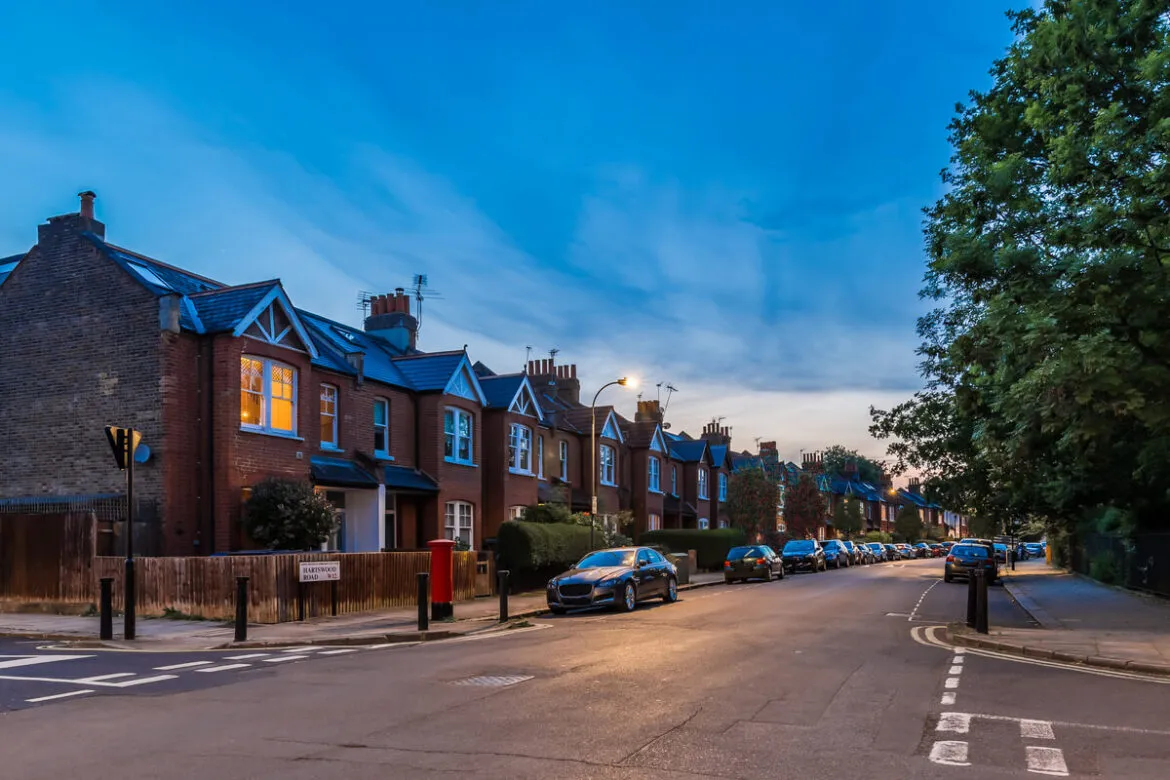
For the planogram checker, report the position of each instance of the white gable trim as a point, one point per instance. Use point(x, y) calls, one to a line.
point(657, 441)
point(193, 313)
point(277, 296)
point(611, 430)
point(525, 391)
point(463, 383)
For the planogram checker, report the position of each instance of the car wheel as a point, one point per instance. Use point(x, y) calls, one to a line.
point(628, 599)
point(837, 563)
point(670, 595)
point(780, 574)
point(768, 576)
point(727, 580)
point(948, 578)
point(557, 610)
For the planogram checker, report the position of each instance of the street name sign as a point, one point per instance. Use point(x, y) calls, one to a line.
point(321, 572)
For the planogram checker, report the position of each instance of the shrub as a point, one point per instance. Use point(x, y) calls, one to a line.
point(1103, 568)
point(287, 514)
point(878, 536)
point(547, 513)
point(710, 546)
point(525, 546)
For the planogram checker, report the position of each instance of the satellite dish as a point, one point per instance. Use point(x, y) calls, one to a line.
point(142, 453)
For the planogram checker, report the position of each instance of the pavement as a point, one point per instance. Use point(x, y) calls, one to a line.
point(1080, 621)
point(400, 625)
point(840, 674)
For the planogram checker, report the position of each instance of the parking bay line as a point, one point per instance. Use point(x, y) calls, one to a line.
point(124, 684)
point(283, 658)
point(224, 668)
point(187, 665)
point(40, 699)
point(103, 677)
point(242, 657)
point(1046, 761)
point(949, 753)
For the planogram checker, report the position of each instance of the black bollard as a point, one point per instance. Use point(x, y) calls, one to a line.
point(972, 599)
point(241, 609)
point(502, 585)
point(981, 604)
point(128, 595)
point(107, 608)
point(424, 618)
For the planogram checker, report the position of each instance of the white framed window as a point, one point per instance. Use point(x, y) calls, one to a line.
point(653, 522)
point(674, 480)
point(328, 417)
point(704, 524)
point(722, 487)
point(515, 513)
point(520, 449)
point(655, 474)
point(459, 522)
point(565, 461)
point(457, 429)
point(702, 484)
point(608, 465)
point(540, 457)
point(381, 428)
point(722, 523)
point(268, 396)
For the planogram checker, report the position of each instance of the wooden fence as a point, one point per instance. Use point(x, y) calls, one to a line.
point(46, 559)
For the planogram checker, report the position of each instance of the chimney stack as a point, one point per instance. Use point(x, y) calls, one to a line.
point(87, 199)
point(390, 319)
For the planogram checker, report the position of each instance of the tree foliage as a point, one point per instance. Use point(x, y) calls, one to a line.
point(984, 527)
point(847, 518)
point(837, 458)
point(908, 524)
point(1048, 353)
point(804, 508)
point(287, 514)
point(752, 497)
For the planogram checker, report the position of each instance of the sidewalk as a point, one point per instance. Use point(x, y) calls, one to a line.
point(1082, 621)
point(397, 625)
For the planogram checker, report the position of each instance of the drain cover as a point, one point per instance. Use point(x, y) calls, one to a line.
point(494, 681)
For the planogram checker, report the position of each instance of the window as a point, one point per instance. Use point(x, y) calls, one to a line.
point(540, 457)
point(381, 428)
point(148, 275)
point(643, 557)
point(674, 480)
point(328, 417)
point(655, 556)
point(608, 465)
point(516, 513)
point(565, 461)
point(704, 524)
point(722, 487)
point(457, 435)
point(702, 483)
point(655, 474)
point(458, 524)
point(654, 522)
point(267, 396)
point(722, 523)
point(520, 449)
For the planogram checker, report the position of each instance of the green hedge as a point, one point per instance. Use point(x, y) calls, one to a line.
point(710, 546)
point(525, 546)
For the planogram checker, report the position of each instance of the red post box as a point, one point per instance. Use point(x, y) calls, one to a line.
point(442, 578)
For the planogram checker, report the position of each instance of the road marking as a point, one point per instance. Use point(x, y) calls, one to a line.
point(958, 659)
point(103, 677)
point(142, 681)
point(338, 652)
point(490, 681)
point(187, 665)
point(1046, 761)
point(959, 651)
point(306, 648)
point(32, 660)
point(948, 698)
point(955, 722)
point(125, 684)
point(58, 696)
point(281, 659)
point(1036, 729)
point(952, 683)
point(243, 657)
point(956, 670)
point(922, 598)
point(949, 753)
point(223, 668)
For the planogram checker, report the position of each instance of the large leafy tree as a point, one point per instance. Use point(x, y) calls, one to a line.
point(752, 498)
point(908, 524)
point(804, 508)
point(837, 458)
point(288, 514)
point(1048, 353)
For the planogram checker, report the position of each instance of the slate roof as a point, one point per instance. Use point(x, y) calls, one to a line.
point(176, 279)
point(340, 472)
point(581, 417)
point(689, 451)
point(481, 370)
point(222, 309)
point(8, 261)
point(500, 389)
point(404, 479)
point(639, 435)
point(719, 453)
point(430, 371)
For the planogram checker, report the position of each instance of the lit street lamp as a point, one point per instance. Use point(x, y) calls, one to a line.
point(624, 382)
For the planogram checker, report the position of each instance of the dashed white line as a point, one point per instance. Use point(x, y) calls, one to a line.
point(1046, 761)
point(141, 681)
point(58, 696)
point(948, 699)
point(921, 598)
point(1036, 729)
point(956, 670)
point(283, 658)
point(244, 657)
point(952, 683)
point(104, 677)
point(958, 660)
point(954, 722)
point(187, 665)
point(306, 648)
point(223, 668)
point(950, 753)
point(338, 652)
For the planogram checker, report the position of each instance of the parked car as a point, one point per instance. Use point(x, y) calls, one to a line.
point(1001, 552)
point(905, 551)
point(1035, 549)
point(867, 556)
point(619, 578)
point(921, 550)
point(936, 550)
point(836, 553)
point(880, 553)
point(753, 562)
point(965, 558)
point(892, 552)
point(856, 556)
point(801, 554)
point(946, 546)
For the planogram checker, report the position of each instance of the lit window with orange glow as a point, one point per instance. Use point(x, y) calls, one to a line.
point(268, 396)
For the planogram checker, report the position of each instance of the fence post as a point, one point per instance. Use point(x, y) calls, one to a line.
point(502, 580)
point(241, 609)
point(107, 608)
point(424, 618)
point(972, 599)
point(981, 605)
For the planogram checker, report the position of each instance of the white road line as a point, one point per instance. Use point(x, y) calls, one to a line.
point(949, 753)
point(338, 652)
point(141, 681)
point(952, 683)
point(1046, 761)
point(58, 696)
point(1064, 724)
point(244, 657)
point(922, 598)
point(954, 722)
point(223, 668)
point(1036, 729)
point(956, 670)
point(283, 658)
point(306, 648)
point(104, 677)
point(187, 665)
point(959, 651)
point(125, 684)
point(948, 698)
point(958, 659)
point(32, 660)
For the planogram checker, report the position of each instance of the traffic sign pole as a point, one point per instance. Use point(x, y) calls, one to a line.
point(128, 585)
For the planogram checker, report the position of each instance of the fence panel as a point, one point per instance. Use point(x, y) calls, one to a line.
point(1141, 562)
point(47, 557)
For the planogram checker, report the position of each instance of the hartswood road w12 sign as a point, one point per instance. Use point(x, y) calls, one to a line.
point(321, 572)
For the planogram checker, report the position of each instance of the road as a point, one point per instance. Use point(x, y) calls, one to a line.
point(830, 675)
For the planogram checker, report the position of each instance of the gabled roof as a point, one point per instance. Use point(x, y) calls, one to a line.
point(447, 372)
point(719, 455)
point(221, 310)
point(8, 265)
point(512, 392)
point(689, 451)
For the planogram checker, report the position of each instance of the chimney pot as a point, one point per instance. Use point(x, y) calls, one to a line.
point(573, 369)
point(87, 199)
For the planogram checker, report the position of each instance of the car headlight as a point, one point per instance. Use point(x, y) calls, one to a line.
point(607, 583)
point(552, 584)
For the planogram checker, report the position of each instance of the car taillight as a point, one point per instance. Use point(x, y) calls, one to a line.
point(950, 559)
point(727, 564)
point(761, 561)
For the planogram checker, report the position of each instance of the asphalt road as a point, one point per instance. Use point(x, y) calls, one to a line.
point(829, 675)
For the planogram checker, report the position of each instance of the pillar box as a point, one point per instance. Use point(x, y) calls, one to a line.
point(442, 578)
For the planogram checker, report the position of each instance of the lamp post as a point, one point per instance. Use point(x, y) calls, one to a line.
point(593, 443)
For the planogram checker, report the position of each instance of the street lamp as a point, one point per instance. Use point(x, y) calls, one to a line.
point(625, 381)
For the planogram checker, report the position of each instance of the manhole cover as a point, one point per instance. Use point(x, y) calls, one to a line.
point(487, 681)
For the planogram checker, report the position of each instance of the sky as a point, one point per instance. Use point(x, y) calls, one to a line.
point(724, 199)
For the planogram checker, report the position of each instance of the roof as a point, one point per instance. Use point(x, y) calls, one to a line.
point(336, 340)
point(640, 435)
point(340, 472)
point(174, 280)
point(222, 309)
point(8, 265)
point(500, 389)
point(430, 371)
point(688, 451)
point(719, 453)
point(404, 479)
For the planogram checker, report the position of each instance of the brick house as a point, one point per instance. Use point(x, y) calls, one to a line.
point(692, 458)
point(516, 450)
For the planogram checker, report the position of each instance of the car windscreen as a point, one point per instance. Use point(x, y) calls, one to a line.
point(969, 551)
point(735, 553)
point(875, 546)
point(831, 545)
point(605, 558)
point(800, 547)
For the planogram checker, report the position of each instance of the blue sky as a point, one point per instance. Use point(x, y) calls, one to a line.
point(726, 200)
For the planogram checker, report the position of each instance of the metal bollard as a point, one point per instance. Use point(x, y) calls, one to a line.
point(972, 599)
point(241, 609)
point(424, 618)
point(107, 608)
point(981, 604)
point(128, 594)
point(502, 577)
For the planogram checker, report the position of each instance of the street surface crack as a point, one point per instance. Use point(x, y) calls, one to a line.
point(666, 733)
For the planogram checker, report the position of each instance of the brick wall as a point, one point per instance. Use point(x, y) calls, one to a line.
point(457, 482)
point(355, 423)
point(502, 489)
point(182, 457)
point(642, 500)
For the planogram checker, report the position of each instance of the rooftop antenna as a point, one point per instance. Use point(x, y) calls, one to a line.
point(421, 292)
point(363, 302)
point(527, 357)
point(670, 390)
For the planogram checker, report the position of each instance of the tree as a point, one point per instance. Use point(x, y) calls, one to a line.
point(287, 514)
point(752, 498)
point(847, 517)
point(836, 458)
point(908, 524)
point(1047, 354)
point(804, 508)
point(984, 527)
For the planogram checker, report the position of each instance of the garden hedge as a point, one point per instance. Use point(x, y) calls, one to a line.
point(710, 546)
point(526, 546)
